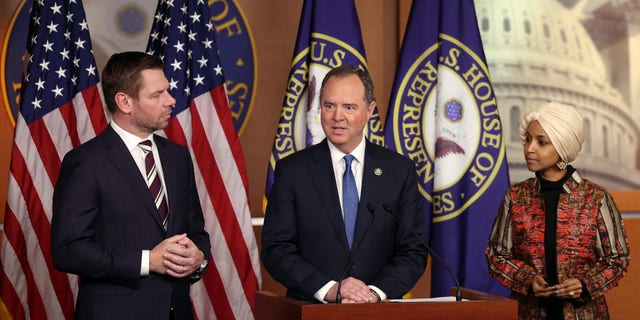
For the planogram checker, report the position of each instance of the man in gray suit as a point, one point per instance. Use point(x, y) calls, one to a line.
point(126, 214)
point(311, 239)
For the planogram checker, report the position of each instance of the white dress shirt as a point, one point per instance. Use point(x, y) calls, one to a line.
point(132, 141)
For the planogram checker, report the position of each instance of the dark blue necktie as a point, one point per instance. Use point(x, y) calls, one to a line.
point(350, 199)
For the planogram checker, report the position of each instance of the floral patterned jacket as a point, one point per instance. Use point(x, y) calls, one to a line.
point(591, 245)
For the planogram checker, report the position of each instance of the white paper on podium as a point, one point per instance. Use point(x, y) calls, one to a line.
point(435, 299)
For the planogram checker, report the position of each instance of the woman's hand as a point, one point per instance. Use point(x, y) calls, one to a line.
point(569, 289)
point(541, 288)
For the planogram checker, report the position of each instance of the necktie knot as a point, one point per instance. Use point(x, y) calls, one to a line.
point(348, 159)
point(145, 145)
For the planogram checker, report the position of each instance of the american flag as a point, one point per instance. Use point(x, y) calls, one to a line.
point(60, 108)
point(183, 35)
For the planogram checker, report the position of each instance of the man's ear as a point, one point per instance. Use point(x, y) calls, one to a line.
point(123, 102)
point(370, 109)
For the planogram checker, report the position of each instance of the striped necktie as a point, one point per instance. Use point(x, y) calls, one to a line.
point(350, 199)
point(153, 181)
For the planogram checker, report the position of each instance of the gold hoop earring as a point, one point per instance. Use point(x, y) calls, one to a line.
point(561, 165)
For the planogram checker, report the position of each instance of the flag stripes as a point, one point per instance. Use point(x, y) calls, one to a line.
point(183, 36)
point(60, 108)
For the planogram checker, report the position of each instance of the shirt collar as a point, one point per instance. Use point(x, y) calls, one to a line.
point(129, 139)
point(358, 152)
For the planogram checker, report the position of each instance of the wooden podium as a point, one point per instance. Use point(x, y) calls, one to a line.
point(270, 306)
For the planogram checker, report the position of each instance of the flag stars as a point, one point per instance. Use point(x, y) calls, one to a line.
point(91, 71)
point(55, 65)
point(40, 84)
point(62, 73)
point(186, 47)
point(176, 65)
point(173, 84)
point(203, 62)
point(65, 54)
point(80, 43)
point(207, 43)
point(57, 91)
point(179, 46)
point(53, 28)
point(195, 17)
point(44, 65)
point(167, 21)
point(199, 80)
point(36, 103)
point(182, 27)
point(48, 46)
point(56, 8)
point(84, 25)
point(192, 36)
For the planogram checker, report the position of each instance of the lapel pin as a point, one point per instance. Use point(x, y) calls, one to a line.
point(377, 171)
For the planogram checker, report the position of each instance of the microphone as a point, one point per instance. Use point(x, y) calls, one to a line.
point(389, 208)
point(347, 269)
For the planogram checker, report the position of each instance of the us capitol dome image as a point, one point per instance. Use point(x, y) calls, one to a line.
point(581, 52)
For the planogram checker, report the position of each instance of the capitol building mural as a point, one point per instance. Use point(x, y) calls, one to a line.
point(581, 52)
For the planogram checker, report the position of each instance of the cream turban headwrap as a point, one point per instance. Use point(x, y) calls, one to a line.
point(562, 123)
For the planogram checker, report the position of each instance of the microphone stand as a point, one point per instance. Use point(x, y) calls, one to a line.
point(389, 208)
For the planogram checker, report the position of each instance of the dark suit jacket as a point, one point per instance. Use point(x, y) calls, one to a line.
point(304, 243)
point(104, 216)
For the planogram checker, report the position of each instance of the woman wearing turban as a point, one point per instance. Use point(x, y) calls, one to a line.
point(558, 241)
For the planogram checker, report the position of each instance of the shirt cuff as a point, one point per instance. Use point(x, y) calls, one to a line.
point(380, 293)
point(144, 263)
point(320, 294)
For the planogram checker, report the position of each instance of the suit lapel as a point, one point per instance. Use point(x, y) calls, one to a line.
point(121, 158)
point(321, 172)
point(171, 177)
point(372, 185)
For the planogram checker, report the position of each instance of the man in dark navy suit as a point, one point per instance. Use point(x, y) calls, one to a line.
point(126, 215)
point(310, 234)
